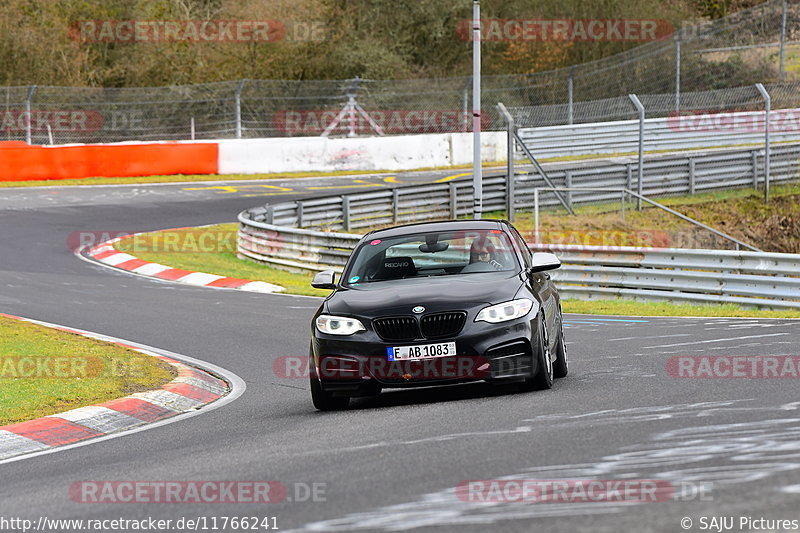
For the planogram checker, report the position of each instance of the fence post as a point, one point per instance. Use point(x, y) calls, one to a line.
point(767, 104)
point(238, 98)
point(465, 105)
point(191, 128)
point(346, 212)
point(28, 99)
point(691, 176)
point(783, 41)
point(640, 108)
point(678, 70)
point(510, 172)
point(453, 201)
point(570, 83)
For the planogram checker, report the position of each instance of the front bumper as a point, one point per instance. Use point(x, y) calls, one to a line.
point(359, 364)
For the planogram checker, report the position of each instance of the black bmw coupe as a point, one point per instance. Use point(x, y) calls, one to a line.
point(436, 303)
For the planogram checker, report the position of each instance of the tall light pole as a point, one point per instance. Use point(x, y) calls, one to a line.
point(477, 181)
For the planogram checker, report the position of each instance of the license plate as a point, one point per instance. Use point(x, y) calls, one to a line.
point(421, 351)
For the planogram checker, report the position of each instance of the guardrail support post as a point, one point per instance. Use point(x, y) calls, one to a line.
point(755, 169)
point(640, 108)
point(767, 104)
point(395, 205)
point(453, 201)
point(269, 215)
point(628, 176)
point(691, 176)
point(299, 208)
point(346, 212)
point(622, 204)
point(568, 184)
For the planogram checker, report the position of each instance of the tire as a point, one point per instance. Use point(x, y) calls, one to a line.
point(560, 366)
point(543, 379)
point(324, 401)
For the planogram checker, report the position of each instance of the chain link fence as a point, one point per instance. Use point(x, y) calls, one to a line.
point(679, 72)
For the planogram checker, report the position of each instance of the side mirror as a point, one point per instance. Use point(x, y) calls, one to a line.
point(544, 261)
point(324, 280)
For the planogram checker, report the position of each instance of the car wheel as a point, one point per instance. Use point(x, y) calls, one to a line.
point(560, 367)
point(323, 400)
point(543, 379)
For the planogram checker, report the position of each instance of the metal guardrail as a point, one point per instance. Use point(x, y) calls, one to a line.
point(751, 279)
point(277, 235)
point(678, 175)
point(670, 133)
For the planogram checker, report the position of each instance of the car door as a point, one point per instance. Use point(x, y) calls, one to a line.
point(541, 285)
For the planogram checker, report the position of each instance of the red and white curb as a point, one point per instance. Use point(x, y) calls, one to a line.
point(194, 389)
point(105, 254)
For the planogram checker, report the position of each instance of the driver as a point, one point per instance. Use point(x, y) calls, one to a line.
point(483, 251)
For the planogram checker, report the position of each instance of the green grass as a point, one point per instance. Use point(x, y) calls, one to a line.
point(219, 258)
point(45, 371)
point(212, 249)
point(632, 308)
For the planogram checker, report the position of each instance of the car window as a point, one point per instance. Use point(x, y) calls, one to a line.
point(526, 252)
point(431, 254)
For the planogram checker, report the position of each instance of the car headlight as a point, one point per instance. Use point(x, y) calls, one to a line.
point(338, 325)
point(505, 311)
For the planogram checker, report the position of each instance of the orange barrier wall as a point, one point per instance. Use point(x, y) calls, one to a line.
point(21, 162)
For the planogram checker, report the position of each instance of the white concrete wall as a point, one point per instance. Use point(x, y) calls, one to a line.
point(312, 154)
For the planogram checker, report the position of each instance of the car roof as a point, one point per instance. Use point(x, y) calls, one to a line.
point(446, 225)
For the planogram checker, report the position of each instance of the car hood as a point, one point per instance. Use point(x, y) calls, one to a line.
point(437, 293)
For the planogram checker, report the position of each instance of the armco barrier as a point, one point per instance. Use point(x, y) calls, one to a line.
point(670, 133)
point(23, 162)
point(752, 279)
point(276, 235)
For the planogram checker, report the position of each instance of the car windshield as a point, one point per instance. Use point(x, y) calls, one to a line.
point(431, 254)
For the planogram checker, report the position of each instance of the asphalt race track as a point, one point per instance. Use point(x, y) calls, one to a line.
point(392, 463)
